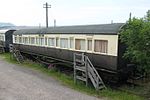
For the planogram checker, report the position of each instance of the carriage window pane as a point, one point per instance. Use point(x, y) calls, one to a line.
point(41, 41)
point(57, 41)
point(45, 40)
point(51, 41)
point(23, 40)
point(20, 39)
point(26, 40)
point(64, 42)
point(80, 44)
point(37, 40)
point(71, 42)
point(2, 37)
point(101, 46)
point(29, 41)
point(32, 40)
point(89, 45)
point(15, 39)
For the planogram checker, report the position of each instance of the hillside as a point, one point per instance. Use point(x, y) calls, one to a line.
point(6, 25)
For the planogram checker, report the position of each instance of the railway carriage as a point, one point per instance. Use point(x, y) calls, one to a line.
point(6, 38)
point(99, 42)
point(2, 37)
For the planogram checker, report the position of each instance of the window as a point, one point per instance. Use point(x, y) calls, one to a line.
point(71, 42)
point(15, 39)
point(45, 40)
point(64, 42)
point(41, 41)
point(20, 39)
point(57, 41)
point(32, 40)
point(29, 40)
point(101, 46)
point(26, 40)
point(51, 41)
point(2, 37)
point(89, 45)
point(23, 40)
point(37, 40)
point(80, 44)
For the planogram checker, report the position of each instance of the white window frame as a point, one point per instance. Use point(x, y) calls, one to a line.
point(49, 42)
point(75, 44)
point(89, 39)
point(32, 40)
point(64, 47)
point(100, 52)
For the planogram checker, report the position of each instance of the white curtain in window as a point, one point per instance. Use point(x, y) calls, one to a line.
point(80, 44)
point(51, 41)
point(71, 43)
point(26, 40)
point(41, 41)
point(32, 40)
point(89, 45)
point(37, 40)
point(64, 42)
point(101, 46)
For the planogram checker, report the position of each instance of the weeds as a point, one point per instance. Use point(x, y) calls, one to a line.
point(69, 82)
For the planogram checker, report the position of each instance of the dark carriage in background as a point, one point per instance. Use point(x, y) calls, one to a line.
point(6, 38)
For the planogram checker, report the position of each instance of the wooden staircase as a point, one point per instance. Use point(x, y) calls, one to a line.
point(2, 50)
point(84, 70)
point(16, 53)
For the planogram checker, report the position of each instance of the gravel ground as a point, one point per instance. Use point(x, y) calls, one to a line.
point(20, 83)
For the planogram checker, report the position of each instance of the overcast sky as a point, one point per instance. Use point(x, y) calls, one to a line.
point(71, 12)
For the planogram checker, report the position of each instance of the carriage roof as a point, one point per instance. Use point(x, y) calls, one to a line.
point(108, 29)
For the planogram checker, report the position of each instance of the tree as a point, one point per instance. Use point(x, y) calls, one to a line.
point(147, 18)
point(136, 35)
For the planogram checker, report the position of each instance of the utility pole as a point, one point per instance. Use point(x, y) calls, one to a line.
point(130, 15)
point(46, 6)
point(54, 22)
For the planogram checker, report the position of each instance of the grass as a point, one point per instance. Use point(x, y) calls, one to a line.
point(68, 81)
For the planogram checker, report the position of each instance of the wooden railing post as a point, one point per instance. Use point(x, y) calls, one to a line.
point(86, 66)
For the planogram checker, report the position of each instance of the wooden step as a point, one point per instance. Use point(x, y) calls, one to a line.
point(81, 78)
point(101, 87)
point(80, 68)
point(79, 61)
point(2, 49)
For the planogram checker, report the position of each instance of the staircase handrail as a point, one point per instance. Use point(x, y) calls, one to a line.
point(91, 65)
